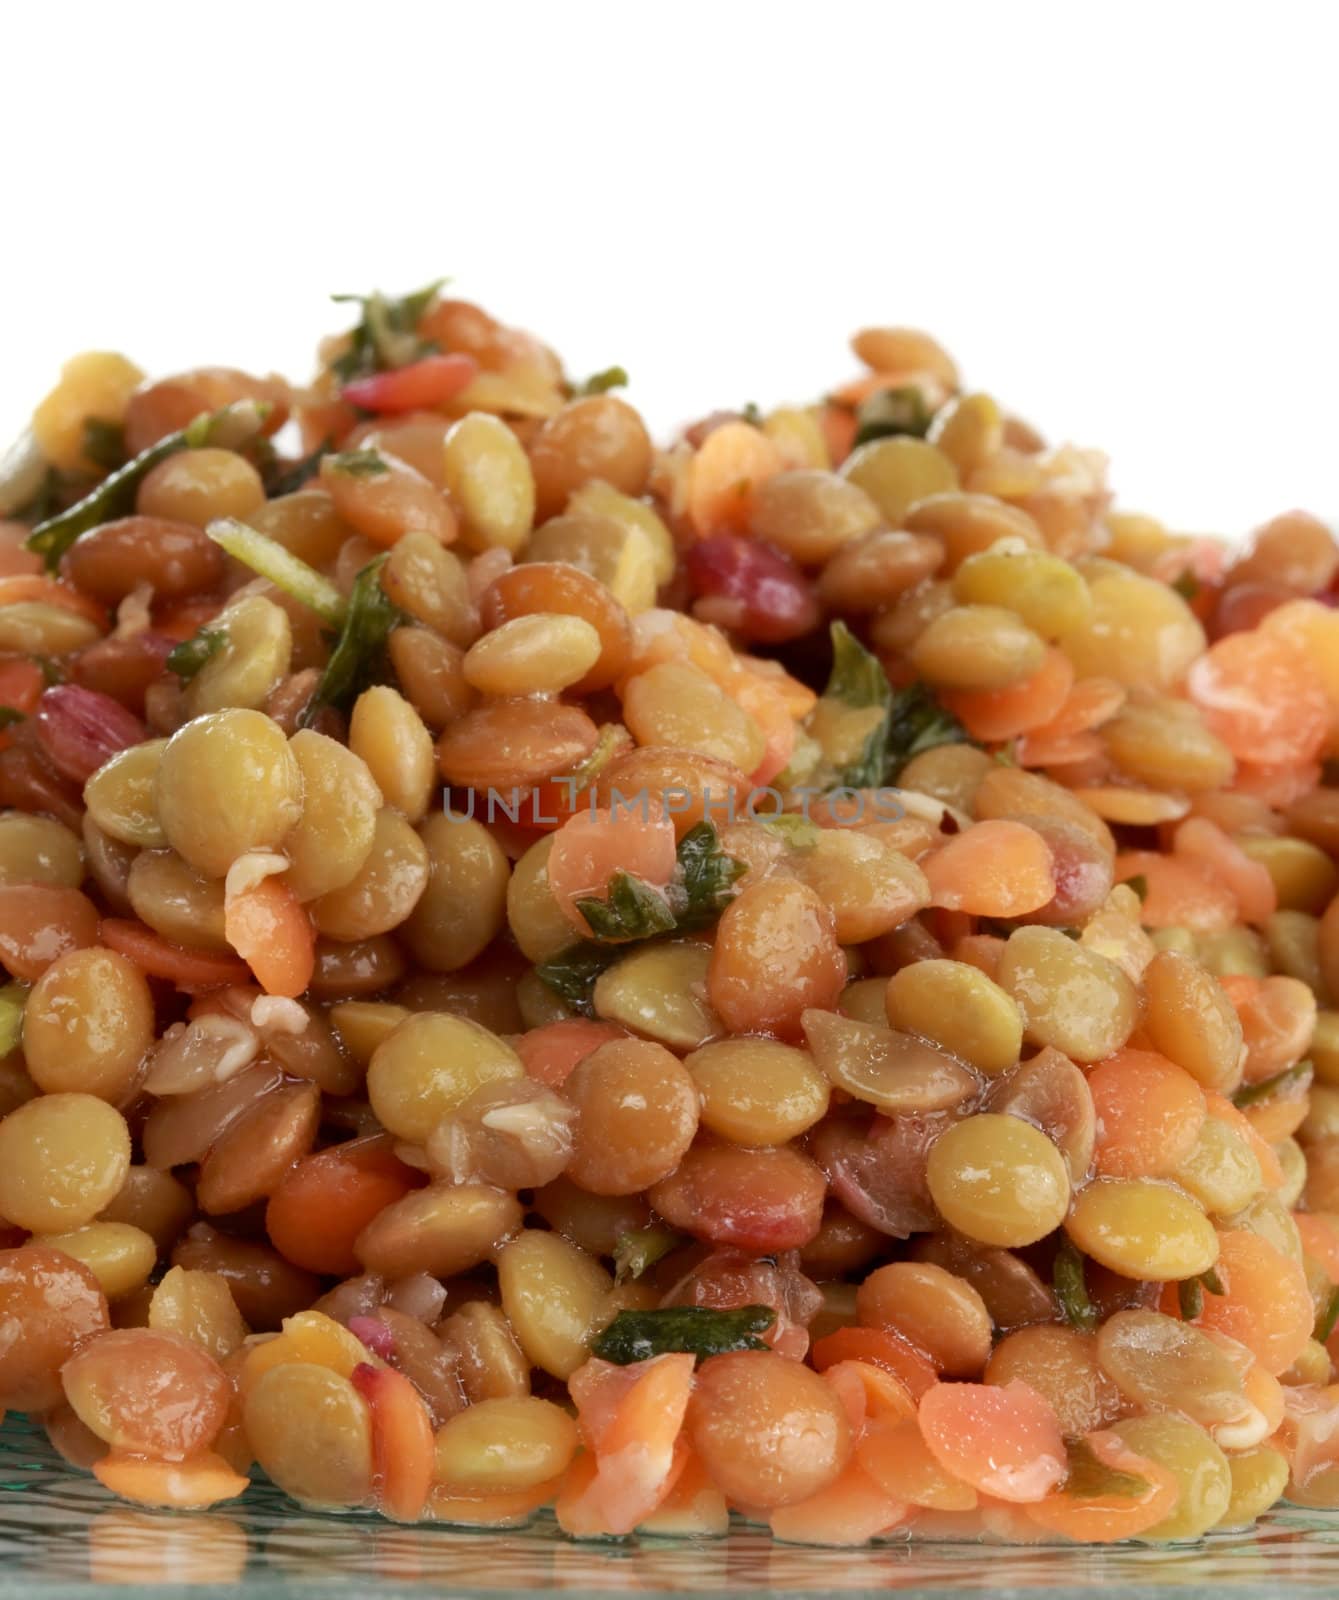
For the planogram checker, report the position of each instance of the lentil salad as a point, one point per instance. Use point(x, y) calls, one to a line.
point(790, 974)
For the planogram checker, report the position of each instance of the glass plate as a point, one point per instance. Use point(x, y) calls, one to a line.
point(62, 1535)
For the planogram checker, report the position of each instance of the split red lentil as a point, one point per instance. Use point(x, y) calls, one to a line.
point(923, 1097)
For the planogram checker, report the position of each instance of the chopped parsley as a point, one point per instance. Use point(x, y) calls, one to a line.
point(190, 655)
point(385, 335)
point(639, 1250)
point(632, 910)
point(104, 443)
point(601, 383)
point(636, 911)
point(701, 1331)
point(1071, 1289)
point(358, 658)
point(891, 412)
point(1254, 1093)
point(360, 463)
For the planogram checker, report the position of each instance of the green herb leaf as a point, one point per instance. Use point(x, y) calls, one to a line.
point(1007, 754)
point(105, 443)
point(857, 679)
point(13, 998)
point(1089, 1477)
point(286, 571)
point(1254, 1093)
point(701, 1331)
point(1187, 585)
point(51, 671)
point(613, 740)
point(1326, 1320)
point(1190, 1292)
point(295, 474)
point(190, 655)
point(636, 1251)
point(798, 832)
point(891, 412)
point(751, 412)
point(358, 658)
point(360, 463)
point(1139, 883)
point(709, 878)
point(571, 974)
point(386, 334)
point(918, 722)
point(1190, 1298)
point(601, 382)
point(9, 715)
point(114, 497)
point(1071, 1290)
point(633, 910)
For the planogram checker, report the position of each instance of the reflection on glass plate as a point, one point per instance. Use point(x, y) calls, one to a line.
point(62, 1535)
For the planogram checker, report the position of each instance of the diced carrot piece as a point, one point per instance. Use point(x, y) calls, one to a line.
point(1235, 1117)
point(1004, 1440)
point(1178, 893)
point(869, 1393)
point(995, 714)
point(879, 1348)
point(1277, 787)
point(851, 1511)
point(993, 869)
point(1259, 693)
point(1090, 703)
point(402, 1441)
point(896, 1456)
point(551, 1051)
point(154, 956)
point(597, 1388)
point(767, 707)
point(1278, 1017)
point(1266, 1304)
point(693, 1508)
point(1198, 839)
point(632, 1417)
point(1098, 1515)
point(268, 927)
point(1320, 1240)
point(200, 1480)
point(732, 461)
point(839, 430)
point(798, 698)
point(1266, 1394)
point(1149, 1114)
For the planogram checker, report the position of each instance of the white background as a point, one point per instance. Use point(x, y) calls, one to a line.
point(1120, 217)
